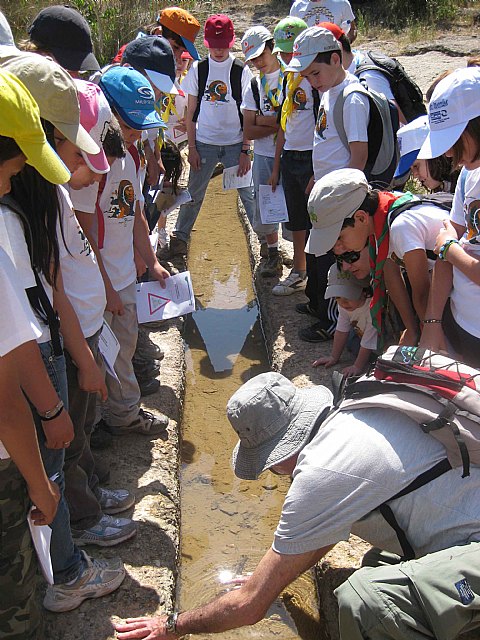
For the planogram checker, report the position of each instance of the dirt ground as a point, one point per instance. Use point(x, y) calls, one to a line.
point(150, 469)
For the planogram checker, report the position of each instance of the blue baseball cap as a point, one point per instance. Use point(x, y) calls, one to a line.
point(131, 95)
point(410, 140)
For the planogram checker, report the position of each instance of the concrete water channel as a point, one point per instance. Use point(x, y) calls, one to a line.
point(227, 524)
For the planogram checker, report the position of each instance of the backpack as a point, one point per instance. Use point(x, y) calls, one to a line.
point(441, 394)
point(383, 154)
point(406, 92)
point(442, 200)
point(236, 72)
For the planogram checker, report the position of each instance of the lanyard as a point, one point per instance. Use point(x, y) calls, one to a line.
point(273, 96)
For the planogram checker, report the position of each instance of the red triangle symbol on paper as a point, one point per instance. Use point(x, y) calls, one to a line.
point(156, 302)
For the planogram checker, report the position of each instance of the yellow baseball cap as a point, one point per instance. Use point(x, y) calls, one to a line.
point(21, 121)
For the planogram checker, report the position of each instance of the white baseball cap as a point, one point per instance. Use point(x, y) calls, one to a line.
point(335, 197)
point(342, 284)
point(253, 41)
point(410, 140)
point(455, 101)
point(309, 44)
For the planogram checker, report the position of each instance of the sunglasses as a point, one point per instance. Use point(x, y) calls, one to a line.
point(349, 257)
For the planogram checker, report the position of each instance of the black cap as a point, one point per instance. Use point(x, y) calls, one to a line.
point(66, 34)
point(154, 55)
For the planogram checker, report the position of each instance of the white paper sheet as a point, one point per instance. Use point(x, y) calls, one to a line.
point(232, 181)
point(109, 348)
point(41, 537)
point(155, 303)
point(273, 208)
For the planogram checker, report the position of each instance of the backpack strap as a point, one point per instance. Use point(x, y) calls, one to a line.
point(424, 478)
point(316, 104)
point(202, 69)
point(256, 93)
point(99, 212)
point(236, 73)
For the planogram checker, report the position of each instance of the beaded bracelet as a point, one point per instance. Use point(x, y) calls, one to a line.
point(442, 254)
point(432, 321)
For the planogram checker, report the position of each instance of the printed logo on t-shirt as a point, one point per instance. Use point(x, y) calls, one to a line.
point(87, 249)
point(299, 99)
point(473, 221)
point(319, 14)
point(321, 123)
point(122, 203)
point(216, 92)
point(267, 105)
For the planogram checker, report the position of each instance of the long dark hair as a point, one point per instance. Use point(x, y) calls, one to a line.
point(39, 200)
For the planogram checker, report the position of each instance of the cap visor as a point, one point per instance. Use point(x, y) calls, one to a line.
point(43, 158)
point(349, 291)
point(405, 163)
point(97, 163)
point(301, 63)
point(141, 120)
point(255, 52)
point(73, 60)
point(320, 241)
point(219, 44)
point(440, 140)
point(162, 81)
point(283, 48)
point(190, 47)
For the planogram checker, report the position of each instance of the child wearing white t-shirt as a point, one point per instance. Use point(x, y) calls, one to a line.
point(214, 126)
point(337, 11)
point(353, 313)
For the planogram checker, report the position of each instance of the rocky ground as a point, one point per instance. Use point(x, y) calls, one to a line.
point(151, 468)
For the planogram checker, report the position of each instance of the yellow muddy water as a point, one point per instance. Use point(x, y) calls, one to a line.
point(227, 523)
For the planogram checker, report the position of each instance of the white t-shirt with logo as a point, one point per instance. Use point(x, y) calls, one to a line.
point(12, 241)
point(300, 125)
point(375, 80)
point(465, 295)
point(82, 280)
point(337, 11)
point(416, 228)
point(360, 320)
point(117, 204)
point(329, 152)
point(263, 146)
point(218, 121)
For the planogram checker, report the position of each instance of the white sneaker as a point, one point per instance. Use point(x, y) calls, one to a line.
point(292, 283)
point(100, 577)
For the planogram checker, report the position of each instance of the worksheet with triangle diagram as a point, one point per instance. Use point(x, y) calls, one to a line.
point(176, 299)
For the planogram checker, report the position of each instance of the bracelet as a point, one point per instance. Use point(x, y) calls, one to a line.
point(432, 321)
point(442, 254)
point(51, 414)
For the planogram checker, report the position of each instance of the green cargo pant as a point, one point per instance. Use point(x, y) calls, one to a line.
point(437, 596)
point(19, 614)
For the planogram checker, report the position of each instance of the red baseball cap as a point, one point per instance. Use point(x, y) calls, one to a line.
point(219, 32)
point(334, 28)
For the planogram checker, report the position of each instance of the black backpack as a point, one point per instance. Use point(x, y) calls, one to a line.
point(382, 130)
point(406, 92)
point(235, 84)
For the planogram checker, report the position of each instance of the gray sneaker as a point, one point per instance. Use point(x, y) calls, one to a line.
point(108, 532)
point(272, 266)
point(99, 578)
point(114, 500)
point(291, 284)
point(146, 423)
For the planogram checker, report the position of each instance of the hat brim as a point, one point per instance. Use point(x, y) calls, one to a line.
point(79, 136)
point(190, 47)
point(162, 81)
point(320, 241)
point(405, 163)
point(283, 47)
point(255, 52)
point(43, 158)
point(301, 63)
point(76, 60)
point(439, 141)
point(140, 120)
point(97, 163)
point(308, 404)
point(221, 43)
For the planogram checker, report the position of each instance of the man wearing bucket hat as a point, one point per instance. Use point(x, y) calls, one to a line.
point(343, 467)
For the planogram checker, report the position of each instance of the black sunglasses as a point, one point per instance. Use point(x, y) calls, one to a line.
point(349, 257)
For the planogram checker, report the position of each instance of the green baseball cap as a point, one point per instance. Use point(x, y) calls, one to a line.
point(285, 33)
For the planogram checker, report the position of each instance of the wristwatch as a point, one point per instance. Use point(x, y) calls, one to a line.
point(247, 152)
point(171, 624)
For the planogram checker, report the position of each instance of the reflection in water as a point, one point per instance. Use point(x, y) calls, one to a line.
point(227, 523)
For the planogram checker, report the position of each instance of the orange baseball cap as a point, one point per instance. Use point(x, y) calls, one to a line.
point(184, 24)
